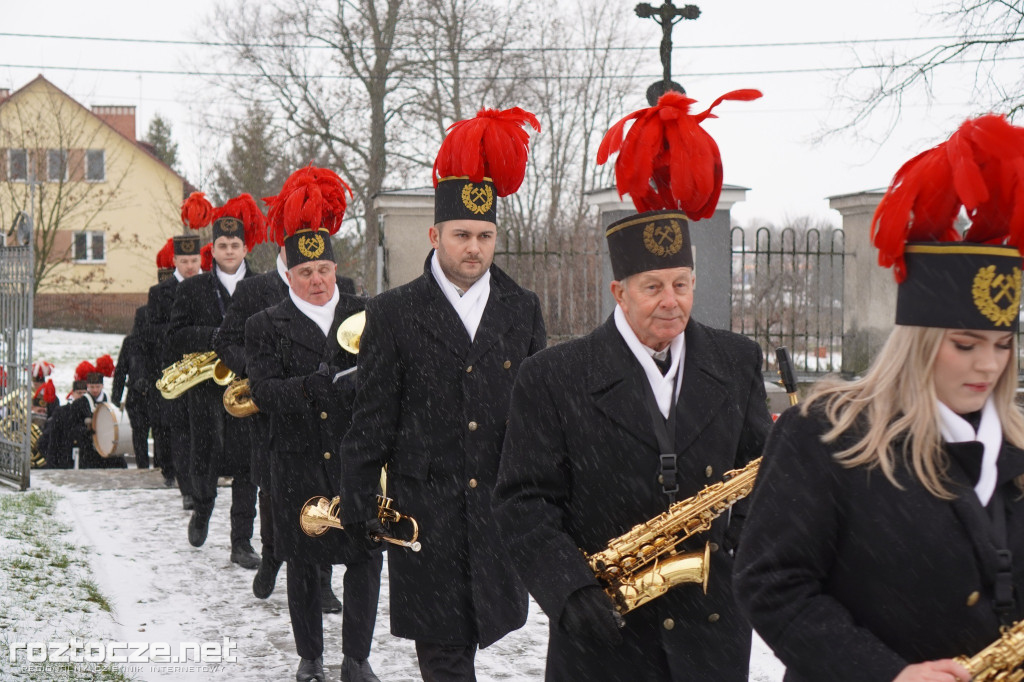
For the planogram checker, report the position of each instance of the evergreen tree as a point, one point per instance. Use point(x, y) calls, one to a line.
point(159, 136)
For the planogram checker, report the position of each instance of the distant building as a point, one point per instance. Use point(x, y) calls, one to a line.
point(103, 204)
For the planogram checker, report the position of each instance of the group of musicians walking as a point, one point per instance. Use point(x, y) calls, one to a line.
point(885, 531)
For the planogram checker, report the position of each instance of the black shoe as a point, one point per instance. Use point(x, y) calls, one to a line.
point(187, 503)
point(329, 603)
point(310, 670)
point(169, 482)
point(357, 671)
point(243, 555)
point(266, 577)
point(198, 527)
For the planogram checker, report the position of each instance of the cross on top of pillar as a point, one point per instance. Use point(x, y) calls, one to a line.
point(667, 15)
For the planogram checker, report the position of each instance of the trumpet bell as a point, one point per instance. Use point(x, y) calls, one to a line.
point(319, 515)
point(350, 331)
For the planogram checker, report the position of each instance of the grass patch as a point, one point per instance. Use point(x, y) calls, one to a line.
point(94, 595)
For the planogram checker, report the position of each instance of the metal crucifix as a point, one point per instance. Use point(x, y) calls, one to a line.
point(667, 16)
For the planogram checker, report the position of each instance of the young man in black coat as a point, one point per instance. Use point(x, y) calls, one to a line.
point(219, 443)
point(607, 431)
point(82, 411)
point(302, 379)
point(133, 369)
point(437, 360)
point(170, 417)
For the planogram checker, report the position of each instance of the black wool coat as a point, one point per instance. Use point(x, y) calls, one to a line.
point(159, 306)
point(283, 348)
point(849, 578)
point(580, 466)
point(200, 304)
point(433, 406)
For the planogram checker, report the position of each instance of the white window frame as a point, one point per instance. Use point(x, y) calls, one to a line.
point(103, 157)
point(10, 165)
point(91, 236)
point(49, 156)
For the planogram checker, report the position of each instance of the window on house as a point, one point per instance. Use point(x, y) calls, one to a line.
point(56, 165)
point(95, 165)
point(17, 165)
point(89, 247)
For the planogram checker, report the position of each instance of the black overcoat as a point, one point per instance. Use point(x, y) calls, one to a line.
point(200, 304)
point(284, 347)
point(433, 406)
point(580, 466)
point(849, 578)
point(160, 303)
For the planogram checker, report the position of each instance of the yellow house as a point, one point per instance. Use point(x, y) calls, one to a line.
point(101, 203)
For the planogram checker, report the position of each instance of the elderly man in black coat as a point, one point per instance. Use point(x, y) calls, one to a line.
point(170, 417)
point(605, 433)
point(302, 379)
point(437, 360)
point(253, 295)
point(219, 443)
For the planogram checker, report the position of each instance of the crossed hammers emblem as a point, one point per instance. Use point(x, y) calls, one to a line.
point(664, 234)
point(479, 195)
point(1005, 285)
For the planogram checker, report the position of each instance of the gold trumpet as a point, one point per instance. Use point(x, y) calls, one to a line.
point(192, 370)
point(351, 331)
point(319, 514)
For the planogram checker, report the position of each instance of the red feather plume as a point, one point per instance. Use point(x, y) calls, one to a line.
point(83, 370)
point(196, 211)
point(48, 391)
point(494, 144)
point(311, 198)
point(105, 365)
point(980, 167)
point(244, 208)
point(165, 256)
point(206, 258)
point(41, 369)
point(666, 160)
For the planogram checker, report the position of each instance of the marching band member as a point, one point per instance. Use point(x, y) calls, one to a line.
point(293, 361)
point(132, 367)
point(44, 393)
point(219, 443)
point(608, 430)
point(82, 411)
point(887, 525)
point(436, 364)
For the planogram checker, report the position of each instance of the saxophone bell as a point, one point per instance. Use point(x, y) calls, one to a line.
point(238, 400)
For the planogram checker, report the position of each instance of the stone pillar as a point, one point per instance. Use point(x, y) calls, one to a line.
point(869, 290)
point(712, 251)
point(405, 217)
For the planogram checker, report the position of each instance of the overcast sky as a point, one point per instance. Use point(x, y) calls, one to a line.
point(766, 145)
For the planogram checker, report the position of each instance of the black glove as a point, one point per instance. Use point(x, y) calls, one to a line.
point(317, 388)
point(363, 533)
point(213, 338)
point(589, 614)
point(141, 386)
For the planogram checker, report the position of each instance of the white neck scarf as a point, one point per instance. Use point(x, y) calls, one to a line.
point(469, 305)
point(229, 281)
point(322, 315)
point(956, 429)
point(282, 271)
point(178, 276)
point(661, 384)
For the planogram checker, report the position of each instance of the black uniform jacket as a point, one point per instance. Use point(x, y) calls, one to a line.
point(134, 366)
point(580, 467)
point(284, 347)
point(847, 577)
point(200, 304)
point(433, 406)
point(159, 306)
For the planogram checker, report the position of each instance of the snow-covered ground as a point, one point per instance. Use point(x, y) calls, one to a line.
point(127, 534)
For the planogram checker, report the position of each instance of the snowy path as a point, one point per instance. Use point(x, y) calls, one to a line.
point(164, 590)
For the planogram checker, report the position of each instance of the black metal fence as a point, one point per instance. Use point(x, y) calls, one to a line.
point(787, 290)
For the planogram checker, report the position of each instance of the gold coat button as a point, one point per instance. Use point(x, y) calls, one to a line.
point(472, 483)
point(469, 369)
point(323, 415)
point(713, 546)
point(713, 618)
point(668, 624)
point(973, 598)
point(708, 472)
point(472, 426)
point(507, 364)
point(327, 455)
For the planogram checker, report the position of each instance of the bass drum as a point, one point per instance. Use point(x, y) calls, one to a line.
point(112, 435)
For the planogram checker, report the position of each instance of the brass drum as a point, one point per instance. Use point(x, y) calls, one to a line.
point(112, 435)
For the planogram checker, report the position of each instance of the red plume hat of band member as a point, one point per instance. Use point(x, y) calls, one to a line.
point(666, 160)
point(197, 211)
point(492, 145)
point(206, 258)
point(84, 369)
point(244, 208)
point(41, 369)
point(105, 365)
point(310, 199)
point(47, 390)
point(165, 256)
point(980, 168)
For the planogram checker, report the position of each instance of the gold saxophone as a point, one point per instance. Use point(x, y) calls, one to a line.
point(999, 661)
point(238, 399)
point(13, 425)
point(192, 370)
point(644, 563)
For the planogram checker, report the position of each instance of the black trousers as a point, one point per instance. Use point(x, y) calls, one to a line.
point(176, 437)
point(243, 501)
point(138, 417)
point(359, 606)
point(446, 662)
point(266, 524)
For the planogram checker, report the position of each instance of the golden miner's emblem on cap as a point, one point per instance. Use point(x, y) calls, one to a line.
point(311, 246)
point(229, 225)
point(187, 246)
point(477, 198)
point(663, 239)
point(997, 295)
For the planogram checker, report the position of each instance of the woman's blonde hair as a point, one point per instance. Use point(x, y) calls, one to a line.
point(896, 399)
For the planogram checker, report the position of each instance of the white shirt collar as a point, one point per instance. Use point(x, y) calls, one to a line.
point(662, 385)
point(230, 281)
point(322, 315)
point(282, 271)
point(178, 276)
point(470, 304)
